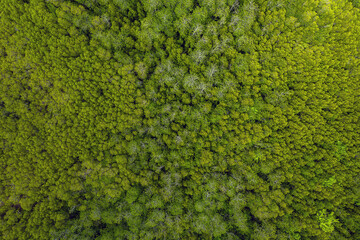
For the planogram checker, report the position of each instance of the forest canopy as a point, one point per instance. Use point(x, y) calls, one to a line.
point(179, 119)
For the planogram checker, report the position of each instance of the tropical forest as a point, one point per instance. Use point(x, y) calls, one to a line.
point(179, 119)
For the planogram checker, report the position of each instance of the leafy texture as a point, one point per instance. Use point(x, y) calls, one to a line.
point(179, 119)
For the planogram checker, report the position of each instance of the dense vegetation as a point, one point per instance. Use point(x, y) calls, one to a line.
point(179, 119)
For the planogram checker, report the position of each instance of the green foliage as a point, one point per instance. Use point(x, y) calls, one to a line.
point(356, 3)
point(340, 149)
point(326, 220)
point(328, 183)
point(154, 119)
point(132, 194)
